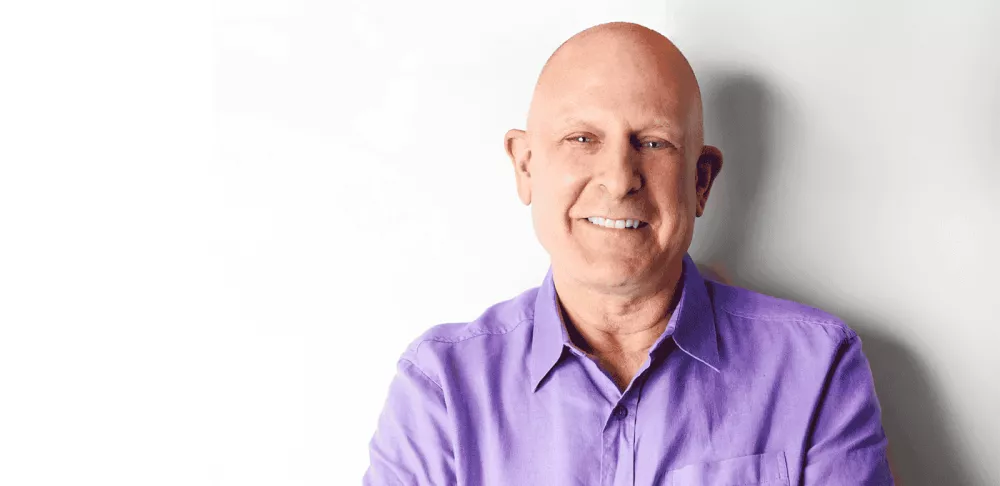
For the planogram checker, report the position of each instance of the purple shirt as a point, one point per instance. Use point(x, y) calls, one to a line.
point(740, 389)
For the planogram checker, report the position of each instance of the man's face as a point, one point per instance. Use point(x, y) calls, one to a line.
point(613, 140)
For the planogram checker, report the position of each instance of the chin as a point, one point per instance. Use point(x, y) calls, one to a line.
point(616, 272)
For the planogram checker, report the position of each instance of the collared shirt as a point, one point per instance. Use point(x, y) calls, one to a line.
point(740, 389)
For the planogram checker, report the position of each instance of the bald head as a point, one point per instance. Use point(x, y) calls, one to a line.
point(621, 56)
point(612, 162)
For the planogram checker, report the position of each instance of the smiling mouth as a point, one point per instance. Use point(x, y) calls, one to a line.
point(617, 223)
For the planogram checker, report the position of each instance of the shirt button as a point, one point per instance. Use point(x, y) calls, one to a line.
point(620, 412)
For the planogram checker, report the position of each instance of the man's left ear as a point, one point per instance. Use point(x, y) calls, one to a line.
point(708, 166)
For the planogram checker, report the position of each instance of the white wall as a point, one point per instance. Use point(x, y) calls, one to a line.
point(217, 235)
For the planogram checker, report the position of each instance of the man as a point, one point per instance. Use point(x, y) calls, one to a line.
point(625, 366)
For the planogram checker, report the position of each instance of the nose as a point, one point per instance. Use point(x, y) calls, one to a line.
point(619, 174)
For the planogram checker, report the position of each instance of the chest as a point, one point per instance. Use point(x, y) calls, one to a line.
point(679, 424)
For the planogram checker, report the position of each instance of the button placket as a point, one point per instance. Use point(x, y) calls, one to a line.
point(625, 417)
point(620, 411)
point(613, 435)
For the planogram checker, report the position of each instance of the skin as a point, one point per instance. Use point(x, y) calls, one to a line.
point(615, 130)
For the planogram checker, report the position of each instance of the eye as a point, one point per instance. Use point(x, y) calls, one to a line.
point(653, 144)
point(580, 139)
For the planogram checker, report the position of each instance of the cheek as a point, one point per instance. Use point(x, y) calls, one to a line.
point(548, 217)
point(669, 187)
point(554, 192)
point(680, 207)
point(557, 188)
point(676, 200)
point(680, 186)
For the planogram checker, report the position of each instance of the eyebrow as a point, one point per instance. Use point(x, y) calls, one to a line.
point(661, 123)
point(574, 121)
point(657, 123)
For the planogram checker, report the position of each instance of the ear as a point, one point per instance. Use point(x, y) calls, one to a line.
point(516, 143)
point(708, 166)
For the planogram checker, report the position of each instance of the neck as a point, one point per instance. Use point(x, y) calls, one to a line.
point(603, 323)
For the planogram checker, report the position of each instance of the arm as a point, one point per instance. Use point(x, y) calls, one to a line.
point(847, 445)
point(412, 445)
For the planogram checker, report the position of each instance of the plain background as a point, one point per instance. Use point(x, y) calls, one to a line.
point(221, 223)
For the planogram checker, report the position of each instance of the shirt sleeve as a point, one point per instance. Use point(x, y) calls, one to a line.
point(848, 445)
point(412, 444)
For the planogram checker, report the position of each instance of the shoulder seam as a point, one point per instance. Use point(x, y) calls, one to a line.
point(481, 332)
point(851, 336)
point(837, 324)
point(428, 378)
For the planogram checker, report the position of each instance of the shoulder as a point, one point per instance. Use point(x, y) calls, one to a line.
point(775, 316)
point(502, 325)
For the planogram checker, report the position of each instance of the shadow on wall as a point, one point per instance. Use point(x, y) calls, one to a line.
point(741, 115)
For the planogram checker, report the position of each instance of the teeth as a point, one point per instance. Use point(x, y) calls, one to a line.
point(615, 223)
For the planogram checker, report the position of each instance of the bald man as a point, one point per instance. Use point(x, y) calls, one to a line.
point(625, 366)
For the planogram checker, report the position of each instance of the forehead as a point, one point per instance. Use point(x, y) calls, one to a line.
point(602, 105)
point(602, 86)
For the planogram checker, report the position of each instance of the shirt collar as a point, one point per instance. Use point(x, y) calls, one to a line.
point(692, 325)
point(548, 335)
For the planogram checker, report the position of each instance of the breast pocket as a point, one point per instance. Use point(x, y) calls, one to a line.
point(762, 469)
